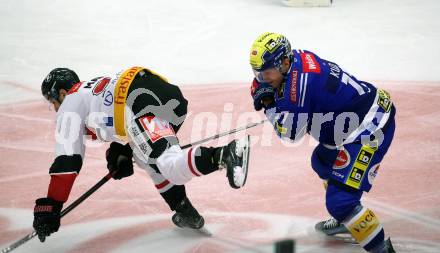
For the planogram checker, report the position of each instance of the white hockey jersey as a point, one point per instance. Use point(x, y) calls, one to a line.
point(95, 107)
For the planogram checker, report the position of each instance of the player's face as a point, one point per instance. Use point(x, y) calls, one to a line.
point(55, 103)
point(271, 76)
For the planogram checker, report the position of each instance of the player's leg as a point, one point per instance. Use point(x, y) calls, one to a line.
point(180, 166)
point(175, 196)
point(322, 160)
point(363, 224)
point(158, 111)
point(353, 173)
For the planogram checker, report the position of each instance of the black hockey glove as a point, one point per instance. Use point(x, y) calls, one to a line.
point(261, 91)
point(46, 217)
point(119, 159)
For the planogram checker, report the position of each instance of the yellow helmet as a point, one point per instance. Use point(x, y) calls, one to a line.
point(268, 50)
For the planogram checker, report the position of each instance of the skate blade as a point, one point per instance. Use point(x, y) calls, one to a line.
point(246, 153)
point(340, 237)
point(201, 231)
point(204, 231)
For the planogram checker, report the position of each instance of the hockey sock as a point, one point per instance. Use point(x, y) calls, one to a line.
point(204, 160)
point(60, 186)
point(174, 196)
point(365, 227)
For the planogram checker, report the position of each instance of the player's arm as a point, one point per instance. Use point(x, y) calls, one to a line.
point(65, 168)
point(287, 124)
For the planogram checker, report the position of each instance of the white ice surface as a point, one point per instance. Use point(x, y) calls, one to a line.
point(204, 42)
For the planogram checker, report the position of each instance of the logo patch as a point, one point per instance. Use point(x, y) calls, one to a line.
point(108, 99)
point(74, 88)
point(271, 45)
point(364, 157)
point(342, 160)
point(100, 87)
point(372, 173)
point(156, 128)
point(356, 175)
point(293, 82)
point(360, 166)
point(310, 64)
point(384, 100)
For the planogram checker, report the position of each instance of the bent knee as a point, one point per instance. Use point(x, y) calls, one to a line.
point(172, 164)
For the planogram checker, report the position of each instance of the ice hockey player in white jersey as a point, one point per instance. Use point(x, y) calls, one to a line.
point(141, 109)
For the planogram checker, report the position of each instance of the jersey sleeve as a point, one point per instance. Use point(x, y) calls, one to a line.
point(69, 147)
point(70, 126)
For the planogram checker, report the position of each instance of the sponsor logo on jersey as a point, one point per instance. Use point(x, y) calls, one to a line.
point(384, 100)
point(364, 157)
point(356, 175)
point(372, 173)
point(108, 98)
point(156, 128)
point(108, 121)
point(293, 86)
point(360, 166)
point(337, 174)
point(100, 86)
point(335, 70)
point(125, 81)
point(121, 92)
point(74, 88)
point(342, 160)
point(310, 64)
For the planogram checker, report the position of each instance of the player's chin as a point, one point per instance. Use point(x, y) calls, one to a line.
point(274, 84)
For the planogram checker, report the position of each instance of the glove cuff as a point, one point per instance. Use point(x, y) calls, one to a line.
point(47, 205)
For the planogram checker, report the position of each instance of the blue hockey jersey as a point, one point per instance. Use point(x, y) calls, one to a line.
point(320, 98)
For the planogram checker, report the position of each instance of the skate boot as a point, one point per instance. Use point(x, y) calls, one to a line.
point(235, 159)
point(331, 227)
point(389, 246)
point(186, 216)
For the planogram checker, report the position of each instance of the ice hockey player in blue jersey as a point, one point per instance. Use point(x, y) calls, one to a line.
point(352, 120)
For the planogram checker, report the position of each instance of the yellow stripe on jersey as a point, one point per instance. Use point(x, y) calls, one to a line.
point(121, 92)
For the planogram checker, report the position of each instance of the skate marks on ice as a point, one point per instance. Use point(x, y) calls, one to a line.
point(231, 232)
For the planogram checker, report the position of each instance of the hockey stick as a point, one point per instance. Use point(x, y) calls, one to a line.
point(64, 212)
point(109, 176)
point(224, 133)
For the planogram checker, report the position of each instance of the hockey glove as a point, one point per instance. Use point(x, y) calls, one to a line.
point(46, 217)
point(119, 160)
point(261, 91)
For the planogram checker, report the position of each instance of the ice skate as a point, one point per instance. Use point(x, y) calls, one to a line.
point(331, 227)
point(235, 159)
point(389, 246)
point(186, 216)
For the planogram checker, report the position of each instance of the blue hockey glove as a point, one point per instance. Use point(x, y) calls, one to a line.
point(260, 91)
